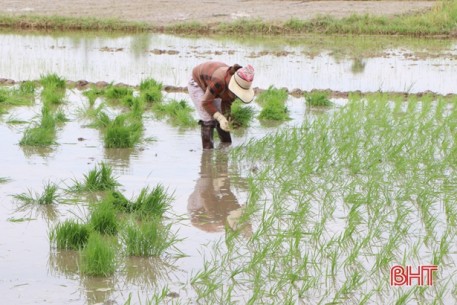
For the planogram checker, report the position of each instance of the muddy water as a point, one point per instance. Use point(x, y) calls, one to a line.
point(339, 64)
point(205, 186)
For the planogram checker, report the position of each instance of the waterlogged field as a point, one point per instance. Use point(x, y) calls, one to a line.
point(108, 198)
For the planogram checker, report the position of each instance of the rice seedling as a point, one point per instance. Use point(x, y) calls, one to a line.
point(240, 115)
point(4, 180)
point(98, 179)
point(24, 95)
point(53, 89)
point(151, 91)
point(152, 203)
point(70, 235)
point(117, 93)
point(103, 217)
point(48, 196)
point(44, 133)
point(146, 238)
point(273, 104)
point(98, 257)
point(317, 99)
point(122, 132)
point(344, 195)
point(177, 112)
point(93, 93)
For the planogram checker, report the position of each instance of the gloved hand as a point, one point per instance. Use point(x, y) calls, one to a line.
point(222, 121)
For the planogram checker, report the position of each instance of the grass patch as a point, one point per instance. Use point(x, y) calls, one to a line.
point(317, 99)
point(273, 105)
point(70, 235)
point(48, 196)
point(103, 217)
point(178, 113)
point(98, 179)
point(24, 95)
point(93, 93)
point(241, 115)
point(339, 200)
point(151, 91)
point(98, 257)
point(117, 93)
point(123, 131)
point(58, 23)
point(44, 134)
point(54, 88)
point(147, 238)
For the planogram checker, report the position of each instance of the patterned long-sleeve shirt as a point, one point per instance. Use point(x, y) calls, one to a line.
point(213, 77)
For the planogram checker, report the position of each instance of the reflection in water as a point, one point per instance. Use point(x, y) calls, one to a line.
point(146, 271)
point(98, 289)
point(64, 262)
point(358, 65)
point(32, 151)
point(120, 156)
point(48, 212)
point(212, 206)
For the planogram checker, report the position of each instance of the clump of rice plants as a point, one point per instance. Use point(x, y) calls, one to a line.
point(103, 217)
point(93, 93)
point(49, 195)
point(317, 99)
point(153, 202)
point(53, 89)
point(98, 257)
point(117, 93)
point(147, 238)
point(177, 112)
point(43, 134)
point(151, 91)
point(98, 179)
point(23, 95)
point(123, 131)
point(273, 104)
point(70, 235)
point(241, 115)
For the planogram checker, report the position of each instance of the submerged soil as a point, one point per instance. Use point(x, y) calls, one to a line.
point(172, 11)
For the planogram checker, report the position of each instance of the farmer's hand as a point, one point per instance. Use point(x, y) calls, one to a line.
point(222, 121)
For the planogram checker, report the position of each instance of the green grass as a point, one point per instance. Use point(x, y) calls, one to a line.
point(117, 93)
point(23, 95)
point(336, 202)
point(273, 105)
point(44, 133)
point(152, 202)
point(48, 196)
point(54, 87)
point(58, 23)
point(103, 217)
point(317, 99)
point(123, 131)
point(147, 238)
point(98, 257)
point(151, 91)
point(70, 235)
point(178, 113)
point(98, 179)
point(241, 115)
point(93, 93)
point(440, 20)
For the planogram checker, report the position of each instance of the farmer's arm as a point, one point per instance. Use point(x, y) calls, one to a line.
point(207, 102)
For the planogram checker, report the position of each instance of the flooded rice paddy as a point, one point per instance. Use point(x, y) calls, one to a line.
point(207, 187)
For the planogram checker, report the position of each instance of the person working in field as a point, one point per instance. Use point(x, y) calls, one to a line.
point(213, 88)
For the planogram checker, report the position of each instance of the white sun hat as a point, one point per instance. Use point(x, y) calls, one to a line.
point(241, 84)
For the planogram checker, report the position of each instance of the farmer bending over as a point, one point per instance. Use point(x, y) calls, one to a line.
point(213, 88)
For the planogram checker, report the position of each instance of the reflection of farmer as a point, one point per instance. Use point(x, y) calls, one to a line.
point(213, 88)
point(212, 205)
